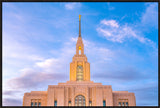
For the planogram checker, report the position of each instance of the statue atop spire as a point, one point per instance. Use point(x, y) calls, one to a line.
point(79, 25)
point(79, 17)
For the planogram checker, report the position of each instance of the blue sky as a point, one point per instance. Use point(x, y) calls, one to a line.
point(120, 38)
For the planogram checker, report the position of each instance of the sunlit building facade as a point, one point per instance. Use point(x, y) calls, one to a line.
point(79, 90)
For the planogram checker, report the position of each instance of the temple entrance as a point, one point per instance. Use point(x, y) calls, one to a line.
point(80, 101)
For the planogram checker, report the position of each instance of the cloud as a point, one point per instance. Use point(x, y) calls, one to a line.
point(45, 70)
point(49, 63)
point(127, 74)
point(145, 92)
point(113, 31)
point(71, 6)
point(32, 79)
point(10, 92)
point(16, 45)
point(150, 16)
point(111, 23)
point(11, 102)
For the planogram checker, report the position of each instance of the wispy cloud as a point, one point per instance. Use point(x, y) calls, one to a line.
point(144, 92)
point(150, 16)
point(71, 6)
point(49, 63)
point(44, 70)
point(111, 23)
point(113, 31)
point(10, 92)
point(11, 102)
point(32, 79)
point(127, 74)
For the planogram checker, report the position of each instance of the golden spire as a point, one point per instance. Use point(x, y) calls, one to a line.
point(79, 25)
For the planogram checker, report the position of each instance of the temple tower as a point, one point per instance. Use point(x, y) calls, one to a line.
point(79, 67)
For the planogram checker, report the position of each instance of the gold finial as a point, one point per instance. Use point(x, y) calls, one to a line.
point(79, 17)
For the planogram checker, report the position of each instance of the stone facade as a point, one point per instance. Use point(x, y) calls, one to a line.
point(79, 91)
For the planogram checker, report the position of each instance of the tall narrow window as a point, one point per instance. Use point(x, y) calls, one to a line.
point(90, 103)
point(122, 103)
point(126, 103)
point(55, 103)
point(69, 103)
point(119, 104)
point(104, 103)
point(39, 103)
point(35, 103)
point(79, 50)
point(31, 103)
point(79, 73)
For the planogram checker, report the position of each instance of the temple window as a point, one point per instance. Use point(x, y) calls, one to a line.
point(123, 102)
point(90, 103)
point(104, 103)
point(39, 104)
point(126, 103)
point(31, 103)
point(35, 103)
point(55, 103)
point(119, 104)
point(79, 73)
point(69, 103)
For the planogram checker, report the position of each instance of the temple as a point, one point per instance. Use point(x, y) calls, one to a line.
point(79, 90)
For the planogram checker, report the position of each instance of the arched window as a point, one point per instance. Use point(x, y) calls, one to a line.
point(80, 100)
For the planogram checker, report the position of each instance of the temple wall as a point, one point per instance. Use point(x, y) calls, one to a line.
point(124, 96)
point(34, 96)
point(94, 92)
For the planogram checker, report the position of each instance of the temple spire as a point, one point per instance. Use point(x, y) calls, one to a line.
point(79, 25)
